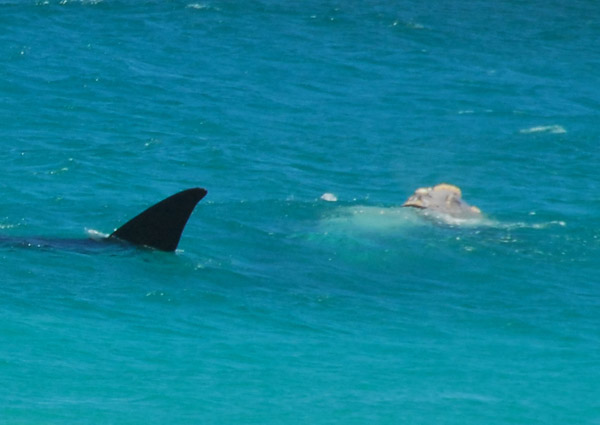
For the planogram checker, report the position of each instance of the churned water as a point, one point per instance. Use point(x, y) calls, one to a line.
point(301, 293)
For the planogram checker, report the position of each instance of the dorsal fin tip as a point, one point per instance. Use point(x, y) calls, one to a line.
point(161, 225)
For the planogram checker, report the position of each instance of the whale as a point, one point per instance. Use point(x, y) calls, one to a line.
point(442, 198)
point(158, 227)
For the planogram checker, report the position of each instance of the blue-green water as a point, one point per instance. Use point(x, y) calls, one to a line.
point(280, 307)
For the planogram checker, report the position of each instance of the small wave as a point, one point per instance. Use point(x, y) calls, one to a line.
point(65, 2)
point(472, 111)
point(159, 296)
point(96, 235)
point(198, 6)
point(523, 225)
point(408, 24)
point(553, 129)
point(59, 171)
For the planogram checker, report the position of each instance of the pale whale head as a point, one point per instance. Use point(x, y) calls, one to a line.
point(443, 198)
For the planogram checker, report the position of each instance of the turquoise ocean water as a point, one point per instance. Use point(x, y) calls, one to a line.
point(281, 307)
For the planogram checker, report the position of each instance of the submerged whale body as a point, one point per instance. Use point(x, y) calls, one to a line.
point(443, 199)
point(159, 227)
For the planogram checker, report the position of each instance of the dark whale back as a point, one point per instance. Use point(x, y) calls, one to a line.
point(161, 225)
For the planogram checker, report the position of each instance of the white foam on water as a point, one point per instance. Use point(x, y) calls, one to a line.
point(523, 225)
point(372, 219)
point(393, 219)
point(96, 235)
point(553, 129)
point(198, 6)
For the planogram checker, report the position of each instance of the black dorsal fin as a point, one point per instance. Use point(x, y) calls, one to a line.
point(161, 225)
